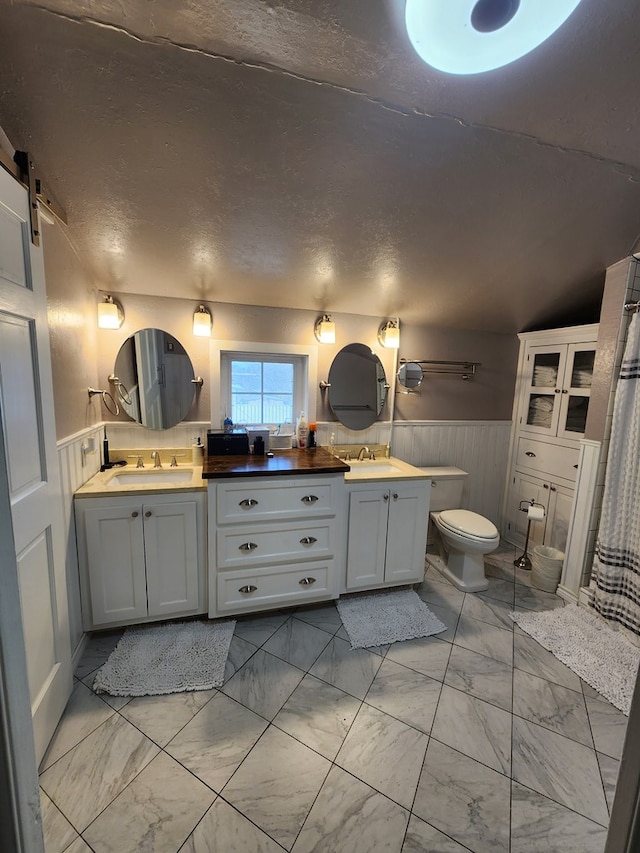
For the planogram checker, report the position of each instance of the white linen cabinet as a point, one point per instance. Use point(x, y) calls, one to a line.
point(555, 371)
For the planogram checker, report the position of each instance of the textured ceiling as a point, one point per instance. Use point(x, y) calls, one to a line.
point(297, 153)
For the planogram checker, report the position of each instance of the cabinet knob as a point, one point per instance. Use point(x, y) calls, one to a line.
point(385, 497)
point(134, 515)
point(309, 499)
point(552, 488)
point(308, 540)
point(395, 496)
point(248, 502)
point(247, 546)
point(306, 581)
point(248, 589)
point(530, 454)
point(576, 465)
point(564, 391)
point(557, 390)
point(147, 514)
point(545, 486)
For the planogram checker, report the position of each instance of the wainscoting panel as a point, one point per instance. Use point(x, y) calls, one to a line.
point(479, 447)
point(76, 467)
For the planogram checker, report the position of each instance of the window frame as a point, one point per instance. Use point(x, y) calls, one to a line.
point(220, 375)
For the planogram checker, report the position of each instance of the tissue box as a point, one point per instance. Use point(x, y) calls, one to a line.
point(254, 433)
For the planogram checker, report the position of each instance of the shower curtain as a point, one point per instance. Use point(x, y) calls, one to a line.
point(616, 567)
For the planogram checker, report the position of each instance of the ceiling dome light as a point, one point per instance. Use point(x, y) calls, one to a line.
point(472, 36)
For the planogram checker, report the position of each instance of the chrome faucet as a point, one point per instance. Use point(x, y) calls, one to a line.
point(361, 453)
point(155, 455)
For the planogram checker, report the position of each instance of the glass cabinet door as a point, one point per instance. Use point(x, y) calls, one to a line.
point(576, 390)
point(546, 367)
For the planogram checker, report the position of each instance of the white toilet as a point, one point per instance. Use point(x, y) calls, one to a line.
point(463, 537)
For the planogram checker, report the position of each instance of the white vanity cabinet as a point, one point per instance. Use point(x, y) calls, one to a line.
point(274, 541)
point(555, 370)
point(387, 533)
point(142, 557)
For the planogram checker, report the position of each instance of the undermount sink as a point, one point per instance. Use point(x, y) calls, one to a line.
point(140, 477)
point(381, 469)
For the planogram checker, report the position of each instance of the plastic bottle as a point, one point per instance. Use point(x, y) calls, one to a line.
point(311, 441)
point(302, 430)
point(197, 451)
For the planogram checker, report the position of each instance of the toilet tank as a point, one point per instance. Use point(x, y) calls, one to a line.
point(447, 484)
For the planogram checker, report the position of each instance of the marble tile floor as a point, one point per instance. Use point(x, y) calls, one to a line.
point(474, 740)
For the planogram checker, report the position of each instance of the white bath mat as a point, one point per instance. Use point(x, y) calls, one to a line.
point(388, 617)
point(151, 660)
point(584, 642)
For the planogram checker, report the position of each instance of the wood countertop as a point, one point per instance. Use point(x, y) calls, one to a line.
point(316, 460)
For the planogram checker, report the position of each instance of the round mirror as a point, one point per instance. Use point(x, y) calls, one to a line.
point(153, 379)
point(358, 386)
point(410, 375)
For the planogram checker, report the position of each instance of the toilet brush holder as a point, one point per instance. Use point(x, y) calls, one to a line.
point(535, 512)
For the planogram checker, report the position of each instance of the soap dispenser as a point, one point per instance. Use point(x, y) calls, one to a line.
point(197, 451)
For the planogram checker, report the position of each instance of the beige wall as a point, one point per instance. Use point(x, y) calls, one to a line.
point(488, 396)
point(84, 355)
point(71, 304)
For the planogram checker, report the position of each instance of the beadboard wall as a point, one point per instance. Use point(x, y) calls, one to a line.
point(76, 468)
point(478, 447)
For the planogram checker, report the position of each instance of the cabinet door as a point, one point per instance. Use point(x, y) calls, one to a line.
point(368, 513)
point(576, 390)
point(560, 509)
point(542, 389)
point(526, 488)
point(115, 546)
point(406, 532)
point(171, 548)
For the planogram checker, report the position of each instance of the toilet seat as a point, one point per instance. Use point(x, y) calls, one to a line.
point(470, 525)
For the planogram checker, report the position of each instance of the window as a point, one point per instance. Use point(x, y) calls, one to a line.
point(263, 388)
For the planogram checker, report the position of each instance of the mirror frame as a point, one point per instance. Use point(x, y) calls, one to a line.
point(156, 361)
point(357, 386)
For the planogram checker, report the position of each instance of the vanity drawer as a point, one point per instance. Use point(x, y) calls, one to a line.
point(274, 543)
point(553, 460)
point(261, 499)
point(239, 591)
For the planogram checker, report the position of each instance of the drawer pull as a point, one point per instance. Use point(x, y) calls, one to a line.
point(248, 589)
point(530, 453)
point(576, 465)
point(247, 546)
point(309, 499)
point(306, 581)
point(308, 540)
point(248, 502)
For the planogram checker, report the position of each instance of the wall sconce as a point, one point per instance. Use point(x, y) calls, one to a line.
point(389, 334)
point(325, 329)
point(110, 313)
point(202, 322)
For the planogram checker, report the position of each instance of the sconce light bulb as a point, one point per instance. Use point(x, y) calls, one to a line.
point(202, 322)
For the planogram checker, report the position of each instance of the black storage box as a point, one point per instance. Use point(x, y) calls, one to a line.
point(232, 443)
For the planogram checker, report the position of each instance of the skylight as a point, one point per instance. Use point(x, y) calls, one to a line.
point(472, 36)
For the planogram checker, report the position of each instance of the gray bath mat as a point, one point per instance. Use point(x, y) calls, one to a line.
point(151, 660)
point(602, 657)
point(386, 617)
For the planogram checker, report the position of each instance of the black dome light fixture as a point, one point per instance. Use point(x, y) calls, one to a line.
point(473, 36)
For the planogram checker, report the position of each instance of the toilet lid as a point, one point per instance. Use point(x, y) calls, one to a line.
point(468, 523)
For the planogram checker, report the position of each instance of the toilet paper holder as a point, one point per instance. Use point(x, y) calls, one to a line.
point(535, 512)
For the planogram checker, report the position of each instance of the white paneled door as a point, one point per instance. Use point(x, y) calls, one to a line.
point(26, 408)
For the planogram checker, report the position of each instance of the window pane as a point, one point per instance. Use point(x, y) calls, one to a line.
point(278, 408)
point(246, 408)
point(246, 376)
point(278, 377)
